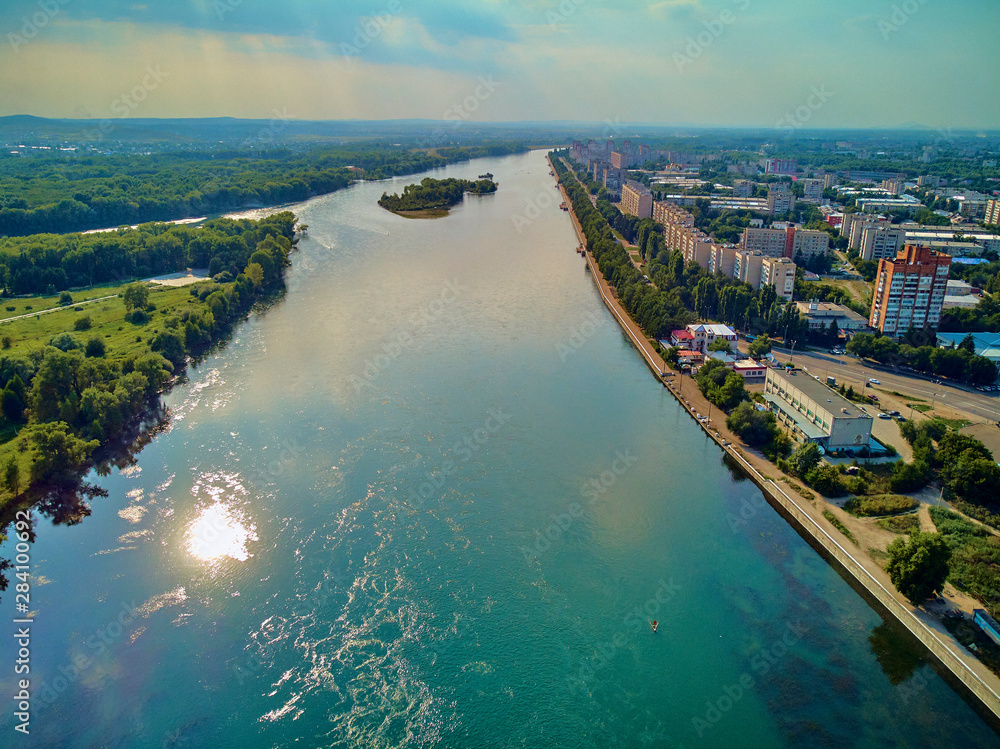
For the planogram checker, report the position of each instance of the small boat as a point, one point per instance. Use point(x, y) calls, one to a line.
point(654, 625)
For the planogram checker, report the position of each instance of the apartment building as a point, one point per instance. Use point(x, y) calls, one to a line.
point(743, 188)
point(637, 200)
point(992, 215)
point(813, 190)
point(809, 243)
point(780, 166)
point(768, 242)
point(668, 213)
point(778, 272)
point(909, 290)
point(779, 199)
point(882, 241)
point(893, 186)
point(722, 259)
point(747, 267)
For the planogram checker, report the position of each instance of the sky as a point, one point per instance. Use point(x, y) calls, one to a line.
point(759, 63)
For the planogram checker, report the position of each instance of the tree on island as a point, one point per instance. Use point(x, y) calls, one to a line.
point(919, 567)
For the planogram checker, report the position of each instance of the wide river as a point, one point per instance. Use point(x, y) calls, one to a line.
point(434, 498)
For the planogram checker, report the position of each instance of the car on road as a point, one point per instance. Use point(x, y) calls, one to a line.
point(873, 381)
point(900, 418)
point(884, 416)
point(873, 398)
point(893, 413)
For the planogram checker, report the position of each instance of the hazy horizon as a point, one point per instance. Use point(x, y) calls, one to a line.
point(679, 63)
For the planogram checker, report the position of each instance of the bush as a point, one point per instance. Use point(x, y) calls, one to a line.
point(756, 428)
point(137, 317)
point(885, 504)
point(825, 479)
point(909, 477)
point(65, 342)
point(919, 567)
point(94, 348)
point(82, 323)
point(65, 299)
point(804, 459)
point(7, 341)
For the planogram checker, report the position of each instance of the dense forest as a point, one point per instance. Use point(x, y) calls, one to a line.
point(59, 193)
point(47, 263)
point(436, 193)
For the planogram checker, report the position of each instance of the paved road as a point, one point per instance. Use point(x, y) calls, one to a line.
point(852, 371)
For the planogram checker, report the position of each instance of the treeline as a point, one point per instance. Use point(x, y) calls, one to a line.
point(960, 363)
point(62, 193)
point(679, 293)
point(435, 193)
point(49, 263)
point(66, 399)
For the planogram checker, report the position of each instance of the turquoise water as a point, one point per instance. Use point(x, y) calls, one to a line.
point(433, 498)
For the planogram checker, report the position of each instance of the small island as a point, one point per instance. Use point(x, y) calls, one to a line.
point(433, 198)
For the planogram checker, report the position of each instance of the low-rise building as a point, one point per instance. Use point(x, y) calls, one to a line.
point(819, 315)
point(753, 372)
point(814, 412)
point(986, 344)
point(705, 334)
point(683, 339)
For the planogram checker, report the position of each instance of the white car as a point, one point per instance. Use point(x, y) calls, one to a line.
point(873, 381)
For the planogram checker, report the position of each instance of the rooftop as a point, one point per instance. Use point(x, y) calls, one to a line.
point(828, 309)
point(713, 329)
point(818, 391)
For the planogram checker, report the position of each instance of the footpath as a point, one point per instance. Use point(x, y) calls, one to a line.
point(967, 674)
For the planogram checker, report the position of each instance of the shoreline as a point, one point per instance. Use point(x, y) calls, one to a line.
point(970, 677)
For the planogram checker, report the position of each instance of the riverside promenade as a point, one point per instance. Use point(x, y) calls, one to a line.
point(967, 674)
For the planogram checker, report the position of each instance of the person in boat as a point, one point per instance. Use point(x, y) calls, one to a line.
point(654, 624)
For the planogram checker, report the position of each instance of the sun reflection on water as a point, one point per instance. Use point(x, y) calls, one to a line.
point(217, 533)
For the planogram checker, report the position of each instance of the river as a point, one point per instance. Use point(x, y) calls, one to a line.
point(433, 497)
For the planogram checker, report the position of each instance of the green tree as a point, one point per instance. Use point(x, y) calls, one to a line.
point(170, 345)
point(919, 567)
point(12, 475)
point(968, 343)
point(760, 347)
point(756, 428)
point(58, 451)
point(720, 344)
point(94, 348)
point(135, 296)
point(804, 459)
point(826, 479)
point(255, 273)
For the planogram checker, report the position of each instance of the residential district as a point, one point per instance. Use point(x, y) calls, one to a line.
point(866, 258)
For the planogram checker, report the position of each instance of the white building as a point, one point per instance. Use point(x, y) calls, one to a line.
point(706, 333)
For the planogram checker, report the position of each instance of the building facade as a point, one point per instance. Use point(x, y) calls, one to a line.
point(819, 315)
point(747, 266)
point(992, 215)
point(909, 290)
point(705, 334)
point(778, 272)
point(881, 241)
point(812, 190)
point(814, 412)
point(637, 200)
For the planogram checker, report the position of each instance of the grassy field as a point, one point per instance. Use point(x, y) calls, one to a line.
point(34, 305)
point(106, 317)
